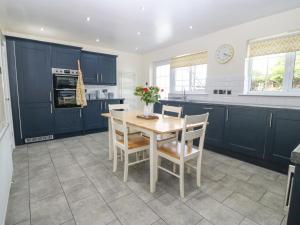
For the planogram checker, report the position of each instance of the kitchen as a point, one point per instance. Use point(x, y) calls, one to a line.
point(58, 154)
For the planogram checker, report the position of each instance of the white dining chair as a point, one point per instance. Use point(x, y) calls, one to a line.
point(169, 137)
point(128, 144)
point(181, 152)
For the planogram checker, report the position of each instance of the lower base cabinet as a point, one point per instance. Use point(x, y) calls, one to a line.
point(245, 130)
point(92, 115)
point(68, 120)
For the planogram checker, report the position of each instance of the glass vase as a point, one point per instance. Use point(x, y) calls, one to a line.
point(148, 109)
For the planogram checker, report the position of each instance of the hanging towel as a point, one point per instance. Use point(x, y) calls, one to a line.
point(80, 90)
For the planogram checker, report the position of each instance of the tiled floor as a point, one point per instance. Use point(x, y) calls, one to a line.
point(70, 181)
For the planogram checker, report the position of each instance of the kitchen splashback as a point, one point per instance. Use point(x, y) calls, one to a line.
point(92, 89)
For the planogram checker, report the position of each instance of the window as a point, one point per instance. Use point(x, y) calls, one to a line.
point(2, 103)
point(190, 79)
point(162, 79)
point(274, 65)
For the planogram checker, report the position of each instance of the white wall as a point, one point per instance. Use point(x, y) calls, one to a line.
point(231, 75)
point(6, 141)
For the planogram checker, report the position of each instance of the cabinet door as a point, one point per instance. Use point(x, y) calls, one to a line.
point(215, 129)
point(89, 65)
point(107, 68)
point(65, 57)
point(283, 135)
point(33, 72)
point(92, 115)
point(245, 130)
point(68, 120)
point(36, 119)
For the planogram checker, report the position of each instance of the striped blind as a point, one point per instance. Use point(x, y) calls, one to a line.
point(190, 60)
point(283, 44)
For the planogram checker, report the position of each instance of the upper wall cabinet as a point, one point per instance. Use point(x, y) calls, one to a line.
point(64, 57)
point(98, 68)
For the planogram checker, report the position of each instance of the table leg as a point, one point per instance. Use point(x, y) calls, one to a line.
point(110, 144)
point(153, 161)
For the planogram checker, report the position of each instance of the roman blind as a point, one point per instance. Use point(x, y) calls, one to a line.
point(190, 60)
point(283, 44)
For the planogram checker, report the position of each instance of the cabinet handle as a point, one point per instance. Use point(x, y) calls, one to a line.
point(270, 120)
point(97, 78)
point(51, 109)
point(101, 77)
point(227, 114)
point(208, 108)
point(101, 105)
point(80, 115)
point(50, 96)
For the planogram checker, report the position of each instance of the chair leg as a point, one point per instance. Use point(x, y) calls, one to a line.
point(125, 167)
point(174, 168)
point(199, 162)
point(121, 154)
point(115, 155)
point(181, 179)
point(188, 170)
point(158, 164)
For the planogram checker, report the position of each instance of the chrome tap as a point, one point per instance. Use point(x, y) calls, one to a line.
point(184, 95)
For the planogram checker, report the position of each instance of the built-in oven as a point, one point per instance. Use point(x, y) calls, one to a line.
point(64, 86)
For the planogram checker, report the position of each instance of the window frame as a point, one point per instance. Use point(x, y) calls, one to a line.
point(287, 85)
point(157, 64)
point(172, 84)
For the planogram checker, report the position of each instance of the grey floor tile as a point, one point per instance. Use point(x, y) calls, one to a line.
point(133, 211)
point(115, 222)
point(92, 211)
point(109, 186)
point(78, 188)
point(234, 171)
point(268, 174)
point(173, 211)
point(273, 201)
point(50, 211)
point(41, 189)
point(216, 190)
point(247, 221)
point(212, 173)
point(253, 210)
point(252, 191)
point(55, 144)
point(36, 162)
point(63, 160)
point(70, 222)
point(19, 186)
point(214, 211)
point(69, 172)
point(160, 222)
point(18, 209)
point(273, 186)
point(284, 221)
point(204, 222)
point(42, 172)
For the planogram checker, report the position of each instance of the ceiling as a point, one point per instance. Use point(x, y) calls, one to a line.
point(131, 25)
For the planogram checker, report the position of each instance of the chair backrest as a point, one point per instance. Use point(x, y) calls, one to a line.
point(172, 109)
point(194, 128)
point(124, 107)
point(118, 125)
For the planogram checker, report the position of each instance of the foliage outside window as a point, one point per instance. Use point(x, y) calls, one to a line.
point(274, 65)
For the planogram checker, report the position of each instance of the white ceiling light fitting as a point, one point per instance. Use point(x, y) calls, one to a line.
point(191, 27)
point(142, 8)
point(88, 19)
point(97, 40)
point(138, 33)
point(42, 29)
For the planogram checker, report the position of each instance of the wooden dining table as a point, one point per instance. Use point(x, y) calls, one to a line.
point(163, 124)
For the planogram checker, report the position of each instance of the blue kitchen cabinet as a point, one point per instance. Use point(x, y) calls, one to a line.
point(92, 115)
point(89, 66)
point(283, 135)
point(99, 69)
point(36, 120)
point(215, 129)
point(245, 130)
point(107, 68)
point(65, 57)
point(68, 120)
point(33, 85)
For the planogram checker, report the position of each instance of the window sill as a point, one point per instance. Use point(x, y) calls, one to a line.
point(271, 94)
point(190, 93)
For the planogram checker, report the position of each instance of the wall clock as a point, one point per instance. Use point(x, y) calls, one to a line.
point(224, 53)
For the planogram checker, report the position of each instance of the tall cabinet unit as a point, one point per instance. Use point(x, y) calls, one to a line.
point(33, 82)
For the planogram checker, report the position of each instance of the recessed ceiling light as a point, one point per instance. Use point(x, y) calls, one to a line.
point(42, 28)
point(88, 19)
point(136, 48)
point(138, 33)
point(191, 27)
point(142, 8)
point(97, 40)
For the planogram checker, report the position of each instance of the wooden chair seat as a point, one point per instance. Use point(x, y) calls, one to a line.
point(136, 141)
point(173, 149)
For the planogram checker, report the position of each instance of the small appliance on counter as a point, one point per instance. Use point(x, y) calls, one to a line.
point(110, 95)
point(104, 91)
